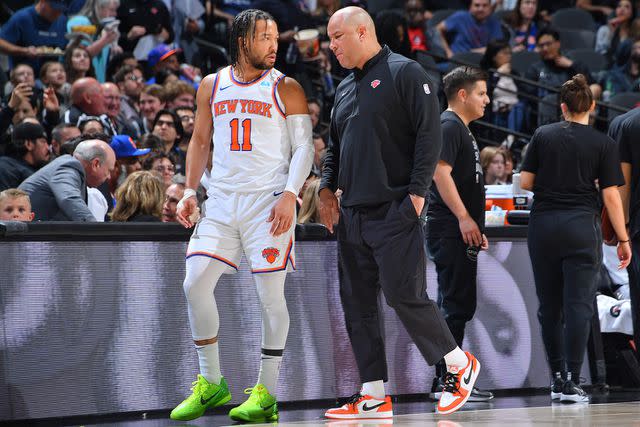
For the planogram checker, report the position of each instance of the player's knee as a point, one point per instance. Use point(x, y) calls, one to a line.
point(193, 288)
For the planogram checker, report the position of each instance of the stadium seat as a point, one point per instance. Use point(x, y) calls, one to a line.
point(577, 39)
point(375, 6)
point(439, 16)
point(523, 60)
point(593, 60)
point(572, 19)
point(466, 58)
point(548, 109)
point(626, 100)
point(501, 14)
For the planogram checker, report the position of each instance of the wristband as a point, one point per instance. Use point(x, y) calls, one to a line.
point(188, 192)
point(623, 241)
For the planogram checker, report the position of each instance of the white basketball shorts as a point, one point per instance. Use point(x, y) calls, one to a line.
point(237, 222)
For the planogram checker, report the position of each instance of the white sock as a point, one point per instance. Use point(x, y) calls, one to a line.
point(373, 389)
point(456, 357)
point(270, 369)
point(275, 326)
point(209, 359)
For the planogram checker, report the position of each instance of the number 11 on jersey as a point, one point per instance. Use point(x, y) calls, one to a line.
point(246, 135)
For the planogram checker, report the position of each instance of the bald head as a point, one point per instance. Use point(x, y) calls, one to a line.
point(353, 37)
point(86, 94)
point(355, 16)
point(97, 158)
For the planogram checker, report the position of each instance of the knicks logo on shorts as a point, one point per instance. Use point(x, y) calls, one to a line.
point(270, 254)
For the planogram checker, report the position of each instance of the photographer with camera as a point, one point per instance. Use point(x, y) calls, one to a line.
point(455, 216)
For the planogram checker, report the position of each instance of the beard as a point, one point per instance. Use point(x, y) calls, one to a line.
point(259, 63)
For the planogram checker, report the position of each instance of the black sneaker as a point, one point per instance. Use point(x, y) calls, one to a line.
point(571, 392)
point(477, 395)
point(556, 386)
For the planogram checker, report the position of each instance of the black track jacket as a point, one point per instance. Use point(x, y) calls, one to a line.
point(385, 133)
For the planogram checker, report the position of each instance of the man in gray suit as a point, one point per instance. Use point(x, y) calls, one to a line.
point(58, 191)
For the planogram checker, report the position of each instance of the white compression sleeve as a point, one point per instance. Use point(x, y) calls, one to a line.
point(202, 276)
point(300, 133)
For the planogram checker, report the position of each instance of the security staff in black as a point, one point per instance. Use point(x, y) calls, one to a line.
point(565, 165)
point(384, 144)
point(455, 217)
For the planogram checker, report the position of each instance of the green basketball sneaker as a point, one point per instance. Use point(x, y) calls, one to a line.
point(259, 407)
point(205, 395)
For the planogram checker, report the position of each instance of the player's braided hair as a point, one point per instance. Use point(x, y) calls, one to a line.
point(244, 25)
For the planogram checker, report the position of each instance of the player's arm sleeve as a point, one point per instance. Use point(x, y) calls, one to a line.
point(300, 130)
point(65, 185)
point(421, 106)
point(331, 161)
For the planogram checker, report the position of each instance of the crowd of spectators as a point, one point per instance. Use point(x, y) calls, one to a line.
point(98, 96)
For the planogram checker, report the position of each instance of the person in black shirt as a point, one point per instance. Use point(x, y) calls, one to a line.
point(625, 130)
point(455, 217)
point(384, 144)
point(565, 164)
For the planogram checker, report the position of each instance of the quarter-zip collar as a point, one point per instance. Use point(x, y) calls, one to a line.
point(384, 52)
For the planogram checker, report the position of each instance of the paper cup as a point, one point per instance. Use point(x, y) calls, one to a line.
point(308, 43)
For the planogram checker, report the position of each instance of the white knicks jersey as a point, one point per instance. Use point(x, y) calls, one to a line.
point(251, 146)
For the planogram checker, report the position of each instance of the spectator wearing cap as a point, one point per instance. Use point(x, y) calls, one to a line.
point(165, 58)
point(58, 191)
point(87, 99)
point(140, 18)
point(127, 162)
point(43, 24)
point(31, 148)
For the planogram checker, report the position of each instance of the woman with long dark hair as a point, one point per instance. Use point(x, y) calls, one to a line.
point(614, 39)
point(77, 62)
point(522, 23)
point(567, 166)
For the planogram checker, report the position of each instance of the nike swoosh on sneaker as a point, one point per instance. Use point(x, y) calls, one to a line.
point(276, 194)
point(468, 379)
point(371, 408)
point(205, 401)
point(226, 87)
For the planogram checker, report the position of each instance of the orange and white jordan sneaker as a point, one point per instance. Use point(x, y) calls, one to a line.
point(458, 384)
point(359, 406)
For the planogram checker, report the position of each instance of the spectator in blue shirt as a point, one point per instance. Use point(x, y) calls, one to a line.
point(470, 30)
point(43, 24)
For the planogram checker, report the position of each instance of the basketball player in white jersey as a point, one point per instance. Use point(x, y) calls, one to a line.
point(262, 154)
